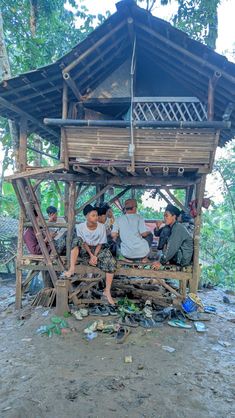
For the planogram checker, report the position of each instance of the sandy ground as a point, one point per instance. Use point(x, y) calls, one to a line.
point(68, 376)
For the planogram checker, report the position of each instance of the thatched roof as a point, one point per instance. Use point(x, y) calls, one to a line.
point(190, 63)
point(8, 228)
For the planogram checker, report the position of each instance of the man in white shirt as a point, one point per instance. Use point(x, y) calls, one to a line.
point(90, 244)
point(135, 237)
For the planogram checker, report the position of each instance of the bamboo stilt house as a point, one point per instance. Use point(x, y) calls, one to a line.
point(136, 104)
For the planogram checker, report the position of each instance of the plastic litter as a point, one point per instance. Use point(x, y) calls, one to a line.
point(209, 309)
point(45, 313)
point(55, 328)
point(128, 359)
point(224, 343)
point(226, 299)
point(91, 335)
point(169, 349)
point(200, 326)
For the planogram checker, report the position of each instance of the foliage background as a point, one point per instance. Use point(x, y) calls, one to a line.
point(37, 32)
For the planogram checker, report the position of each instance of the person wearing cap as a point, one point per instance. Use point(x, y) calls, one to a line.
point(135, 238)
point(179, 248)
point(90, 243)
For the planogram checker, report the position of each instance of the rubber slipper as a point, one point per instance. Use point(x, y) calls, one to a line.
point(129, 321)
point(78, 315)
point(91, 328)
point(146, 323)
point(198, 316)
point(111, 310)
point(99, 311)
point(122, 334)
point(179, 324)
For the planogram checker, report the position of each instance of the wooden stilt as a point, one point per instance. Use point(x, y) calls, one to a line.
point(200, 189)
point(18, 299)
point(71, 219)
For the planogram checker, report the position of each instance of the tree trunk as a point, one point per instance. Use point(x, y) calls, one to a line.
point(33, 16)
point(5, 73)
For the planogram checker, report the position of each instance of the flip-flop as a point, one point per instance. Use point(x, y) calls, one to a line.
point(129, 321)
point(111, 310)
point(122, 334)
point(177, 323)
point(198, 316)
point(148, 323)
point(98, 311)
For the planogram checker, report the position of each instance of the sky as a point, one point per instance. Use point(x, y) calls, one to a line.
point(226, 13)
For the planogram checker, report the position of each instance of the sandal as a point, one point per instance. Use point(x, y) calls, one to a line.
point(122, 334)
point(177, 323)
point(98, 311)
point(111, 310)
point(129, 321)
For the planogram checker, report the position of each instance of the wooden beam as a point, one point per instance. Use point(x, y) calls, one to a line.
point(93, 47)
point(202, 61)
point(175, 200)
point(95, 197)
point(71, 83)
point(120, 194)
point(211, 94)
point(22, 113)
point(33, 173)
point(200, 189)
point(140, 181)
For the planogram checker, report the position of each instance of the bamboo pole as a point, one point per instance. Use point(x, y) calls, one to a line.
point(18, 299)
point(93, 47)
point(200, 189)
point(63, 144)
point(23, 145)
point(71, 219)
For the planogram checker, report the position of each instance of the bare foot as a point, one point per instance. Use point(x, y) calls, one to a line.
point(109, 297)
point(69, 273)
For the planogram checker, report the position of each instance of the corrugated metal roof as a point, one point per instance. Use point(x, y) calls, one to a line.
point(39, 92)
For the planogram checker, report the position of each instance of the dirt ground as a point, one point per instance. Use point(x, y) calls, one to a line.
point(68, 376)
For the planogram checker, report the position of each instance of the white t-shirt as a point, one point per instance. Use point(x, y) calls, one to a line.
point(92, 237)
point(130, 227)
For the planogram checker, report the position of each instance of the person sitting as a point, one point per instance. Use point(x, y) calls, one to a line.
point(179, 248)
point(187, 221)
point(58, 234)
point(30, 239)
point(102, 218)
point(162, 231)
point(135, 238)
point(89, 242)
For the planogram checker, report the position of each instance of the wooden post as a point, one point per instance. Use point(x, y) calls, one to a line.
point(62, 297)
point(63, 146)
point(18, 298)
point(200, 189)
point(23, 145)
point(71, 218)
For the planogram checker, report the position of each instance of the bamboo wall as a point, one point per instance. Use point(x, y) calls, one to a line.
point(167, 146)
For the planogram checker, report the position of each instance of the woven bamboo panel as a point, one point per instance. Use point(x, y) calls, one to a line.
point(188, 146)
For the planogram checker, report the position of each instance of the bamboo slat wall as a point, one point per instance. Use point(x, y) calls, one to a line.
point(169, 146)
